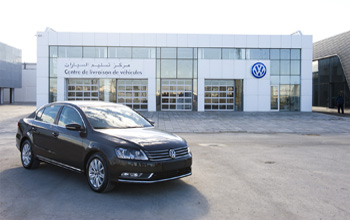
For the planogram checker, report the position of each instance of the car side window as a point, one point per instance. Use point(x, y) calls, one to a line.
point(50, 113)
point(69, 116)
point(39, 115)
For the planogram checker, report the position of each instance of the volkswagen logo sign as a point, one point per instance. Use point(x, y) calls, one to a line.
point(259, 70)
point(172, 153)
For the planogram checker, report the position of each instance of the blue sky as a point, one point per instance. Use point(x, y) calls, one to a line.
point(22, 19)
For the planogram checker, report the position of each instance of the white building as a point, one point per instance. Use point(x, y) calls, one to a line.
point(169, 72)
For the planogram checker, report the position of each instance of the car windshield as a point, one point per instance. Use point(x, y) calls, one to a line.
point(107, 117)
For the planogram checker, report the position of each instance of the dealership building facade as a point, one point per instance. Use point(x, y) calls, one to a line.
point(177, 72)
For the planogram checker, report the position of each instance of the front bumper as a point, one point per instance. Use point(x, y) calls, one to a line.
point(152, 172)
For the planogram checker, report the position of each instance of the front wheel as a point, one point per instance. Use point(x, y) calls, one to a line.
point(27, 156)
point(97, 174)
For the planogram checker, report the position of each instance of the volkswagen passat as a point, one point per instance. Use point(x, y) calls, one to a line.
point(107, 142)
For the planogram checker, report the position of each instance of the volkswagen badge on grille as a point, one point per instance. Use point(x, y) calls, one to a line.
point(172, 153)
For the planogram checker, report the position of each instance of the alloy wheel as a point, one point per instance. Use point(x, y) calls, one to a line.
point(26, 154)
point(96, 173)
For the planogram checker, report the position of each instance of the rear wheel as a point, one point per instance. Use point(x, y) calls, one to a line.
point(97, 174)
point(27, 156)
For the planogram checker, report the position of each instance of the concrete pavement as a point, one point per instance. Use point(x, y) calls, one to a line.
point(250, 122)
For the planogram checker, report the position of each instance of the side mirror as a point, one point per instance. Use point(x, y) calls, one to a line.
point(74, 127)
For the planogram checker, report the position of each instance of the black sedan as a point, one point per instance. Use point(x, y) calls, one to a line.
point(107, 142)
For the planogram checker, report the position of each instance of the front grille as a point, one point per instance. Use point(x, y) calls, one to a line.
point(161, 155)
point(170, 174)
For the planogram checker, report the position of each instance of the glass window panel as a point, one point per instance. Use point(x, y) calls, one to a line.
point(285, 80)
point(284, 98)
point(275, 67)
point(168, 52)
point(95, 52)
point(195, 51)
point(168, 68)
point(285, 67)
point(239, 54)
point(119, 52)
point(53, 67)
point(158, 52)
point(207, 107)
point(53, 90)
point(143, 53)
point(70, 52)
point(295, 67)
point(274, 80)
point(295, 54)
point(274, 54)
point(62, 52)
point(228, 53)
point(195, 71)
point(89, 52)
point(294, 97)
point(274, 97)
point(257, 54)
point(188, 100)
point(184, 68)
point(185, 53)
point(209, 53)
point(101, 52)
point(285, 54)
point(295, 80)
point(265, 54)
point(53, 51)
point(252, 54)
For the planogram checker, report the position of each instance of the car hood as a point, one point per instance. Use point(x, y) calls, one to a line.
point(147, 138)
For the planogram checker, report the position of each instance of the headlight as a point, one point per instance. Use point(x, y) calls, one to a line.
point(130, 154)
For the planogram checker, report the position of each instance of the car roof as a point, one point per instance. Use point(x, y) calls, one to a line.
point(89, 103)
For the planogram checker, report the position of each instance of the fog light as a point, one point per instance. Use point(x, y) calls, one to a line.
point(131, 175)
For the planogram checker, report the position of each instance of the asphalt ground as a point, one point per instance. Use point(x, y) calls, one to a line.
point(252, 173)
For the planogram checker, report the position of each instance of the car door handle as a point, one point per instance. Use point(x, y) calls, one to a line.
point(55, 134)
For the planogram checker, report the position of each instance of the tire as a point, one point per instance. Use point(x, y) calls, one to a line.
point(27, 156)
point(97, 174)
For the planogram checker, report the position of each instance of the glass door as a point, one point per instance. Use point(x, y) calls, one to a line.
point(275, 98)
point(285, 98)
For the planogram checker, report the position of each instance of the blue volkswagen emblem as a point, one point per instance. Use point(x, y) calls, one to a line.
point(172, 153)
point(259, 70)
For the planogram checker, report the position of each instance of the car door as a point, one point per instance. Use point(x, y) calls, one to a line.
point(69, 144)
point(42, 131)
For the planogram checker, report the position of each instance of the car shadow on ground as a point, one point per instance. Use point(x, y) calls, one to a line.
point(53, 191)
